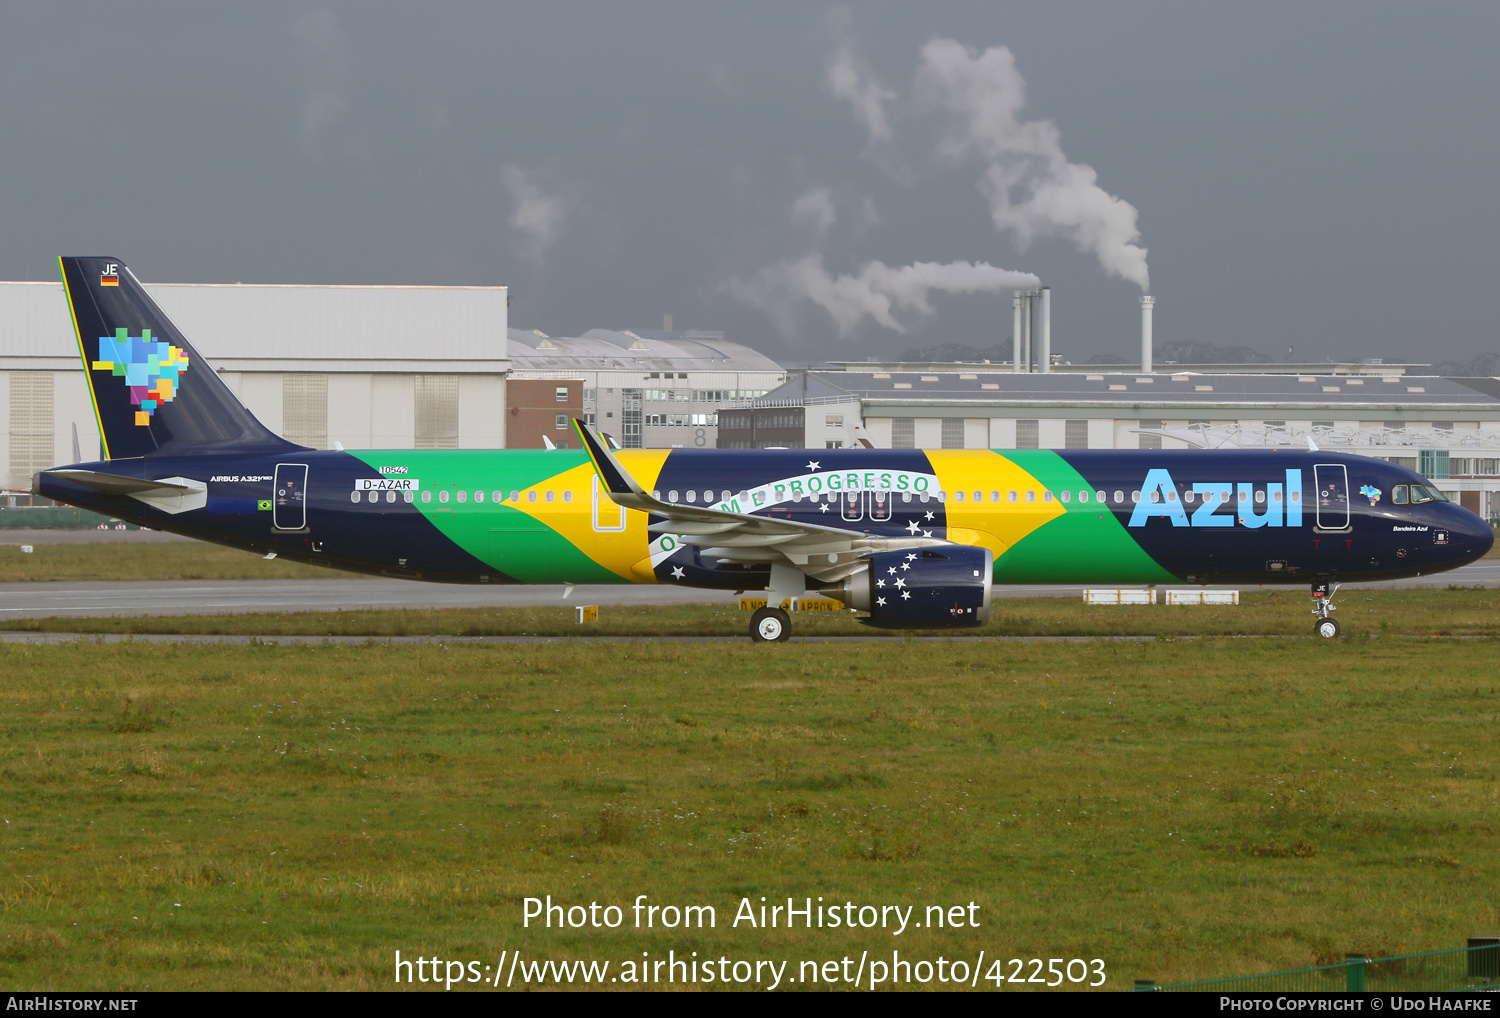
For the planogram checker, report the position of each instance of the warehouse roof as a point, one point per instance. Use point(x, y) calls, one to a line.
point(633, 350)
point(1112, 388)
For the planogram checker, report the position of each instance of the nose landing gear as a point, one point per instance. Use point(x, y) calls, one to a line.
point(1322, 598)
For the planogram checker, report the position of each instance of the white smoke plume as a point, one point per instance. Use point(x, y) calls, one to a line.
point(539, 217)
point(877, 291)
point(815, 209)
point(974, 102)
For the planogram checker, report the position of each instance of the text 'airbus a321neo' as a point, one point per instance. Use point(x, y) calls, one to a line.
point(912, 538)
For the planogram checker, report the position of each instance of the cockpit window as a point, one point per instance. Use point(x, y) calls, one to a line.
point(1420, 493)
point(1437, 496)
point(1398, 495)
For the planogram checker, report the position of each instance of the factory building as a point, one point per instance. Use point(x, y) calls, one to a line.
point(364, 366)
point(1445, 428)
point(649, 388)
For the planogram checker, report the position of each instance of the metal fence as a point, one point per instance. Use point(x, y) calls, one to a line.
point(1476, 967)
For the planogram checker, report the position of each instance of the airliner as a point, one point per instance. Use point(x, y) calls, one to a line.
point(912, 539)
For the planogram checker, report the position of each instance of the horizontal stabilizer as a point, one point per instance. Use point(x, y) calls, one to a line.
point(169, 494)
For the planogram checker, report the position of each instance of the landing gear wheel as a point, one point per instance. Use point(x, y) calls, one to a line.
point(1326, 628)
point(770, 625)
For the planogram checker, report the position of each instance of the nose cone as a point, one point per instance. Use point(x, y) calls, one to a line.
point(1469, 537)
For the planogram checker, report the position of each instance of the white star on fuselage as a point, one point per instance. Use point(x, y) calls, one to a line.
point(677, 573)
point(813, 464)
point(906, 595)
point(823, 507)
point(880, 601)
point(926, 533)
point(931, 516)
point(912, 527)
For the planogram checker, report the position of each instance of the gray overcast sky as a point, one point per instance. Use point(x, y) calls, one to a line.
point(1311, 174)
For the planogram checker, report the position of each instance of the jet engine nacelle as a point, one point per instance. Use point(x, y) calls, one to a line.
point(925, 588)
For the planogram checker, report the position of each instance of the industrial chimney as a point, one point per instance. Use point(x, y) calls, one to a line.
point(1147, 303)
point(1015, 331)
point(1046, 357)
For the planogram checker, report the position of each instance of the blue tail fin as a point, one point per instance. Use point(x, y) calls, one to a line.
point(151, 389)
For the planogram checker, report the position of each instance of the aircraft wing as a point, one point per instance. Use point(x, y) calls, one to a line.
point(825, 553)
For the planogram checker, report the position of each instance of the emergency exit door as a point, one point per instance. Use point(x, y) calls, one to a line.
point(289, 497)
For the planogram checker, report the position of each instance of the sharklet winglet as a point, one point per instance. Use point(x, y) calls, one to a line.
point(616, 481)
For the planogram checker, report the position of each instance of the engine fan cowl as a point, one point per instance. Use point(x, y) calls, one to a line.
point(929, 588)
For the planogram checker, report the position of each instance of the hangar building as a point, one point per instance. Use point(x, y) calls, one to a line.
point(648, 388)
point(366, 366)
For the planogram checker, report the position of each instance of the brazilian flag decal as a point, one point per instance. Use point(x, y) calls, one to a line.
point(264, 505)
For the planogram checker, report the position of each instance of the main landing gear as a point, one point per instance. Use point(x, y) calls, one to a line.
point(770, 625)
point(1323, 604)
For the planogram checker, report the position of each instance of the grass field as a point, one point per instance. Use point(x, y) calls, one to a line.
point(288, 817)
point(177, 561)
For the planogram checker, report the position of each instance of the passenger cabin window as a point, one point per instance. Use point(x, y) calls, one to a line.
point(442, 496)
point(567, 496)
point(426, 496)
point(551, 496)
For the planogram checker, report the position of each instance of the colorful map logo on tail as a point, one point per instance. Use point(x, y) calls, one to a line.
point(150, 367)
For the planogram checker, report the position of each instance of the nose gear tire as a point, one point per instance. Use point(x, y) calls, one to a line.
point(770, 625)
point(1326, 628)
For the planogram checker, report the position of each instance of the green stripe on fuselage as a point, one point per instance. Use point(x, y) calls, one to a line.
point(1086, 544)
point(505, 538)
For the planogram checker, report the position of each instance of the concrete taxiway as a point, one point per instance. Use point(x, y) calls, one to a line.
point(217, 597)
